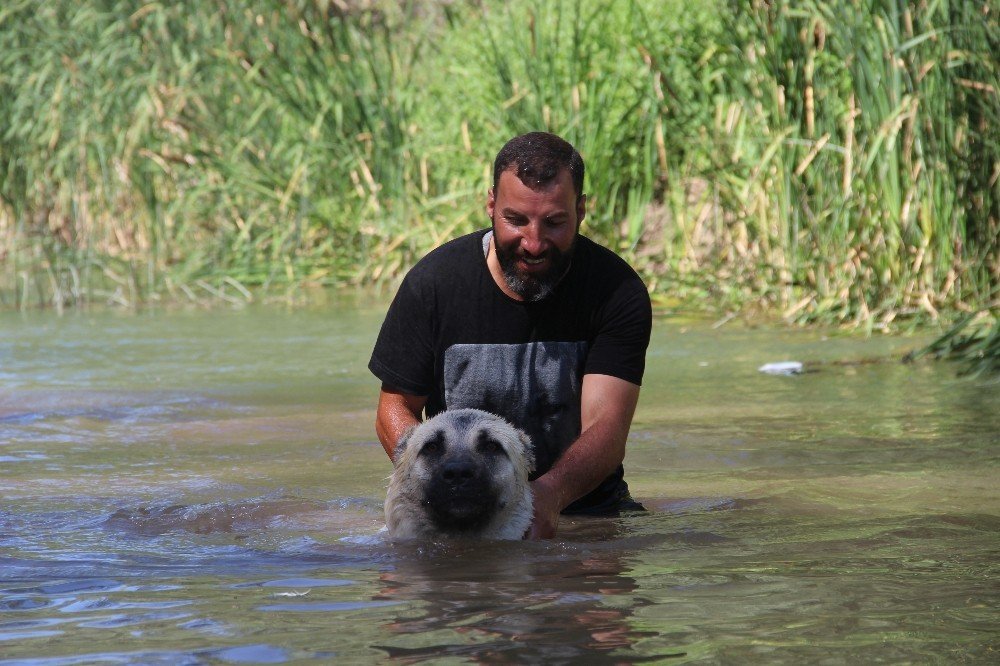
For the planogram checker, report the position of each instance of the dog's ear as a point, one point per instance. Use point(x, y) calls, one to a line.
point(529, 451)
point(397, 454)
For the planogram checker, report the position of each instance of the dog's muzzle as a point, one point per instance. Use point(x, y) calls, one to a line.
point(460, 497)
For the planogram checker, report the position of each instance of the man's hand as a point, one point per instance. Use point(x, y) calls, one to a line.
point(547, 506)
point(606, 408)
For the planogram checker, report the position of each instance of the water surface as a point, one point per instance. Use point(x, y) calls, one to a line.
point(192, 486)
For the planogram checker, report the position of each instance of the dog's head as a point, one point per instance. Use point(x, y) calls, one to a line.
point(463, 468)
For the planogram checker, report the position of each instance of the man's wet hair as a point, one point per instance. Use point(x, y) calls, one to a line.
point(537, 158)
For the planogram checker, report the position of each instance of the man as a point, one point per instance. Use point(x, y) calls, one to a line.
point(531, 321)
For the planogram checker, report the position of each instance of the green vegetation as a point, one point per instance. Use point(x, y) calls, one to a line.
point(973, 341)
point(834, 161)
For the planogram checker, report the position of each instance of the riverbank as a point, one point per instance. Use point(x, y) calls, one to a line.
point(821, 163)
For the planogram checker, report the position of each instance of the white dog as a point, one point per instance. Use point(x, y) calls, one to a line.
point(463, 473)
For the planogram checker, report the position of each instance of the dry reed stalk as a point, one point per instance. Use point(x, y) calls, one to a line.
point(809, 96)
point(661, 153)
point(811, 155)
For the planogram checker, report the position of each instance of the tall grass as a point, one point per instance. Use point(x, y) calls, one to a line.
point(834, 161)
point(873, 135)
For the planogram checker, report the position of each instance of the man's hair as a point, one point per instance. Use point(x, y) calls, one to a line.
point(537, 158)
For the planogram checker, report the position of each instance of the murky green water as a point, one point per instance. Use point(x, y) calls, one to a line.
point(196, 487)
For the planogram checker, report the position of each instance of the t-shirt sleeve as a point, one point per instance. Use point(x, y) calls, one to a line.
point(404, 354)
point(619, 348)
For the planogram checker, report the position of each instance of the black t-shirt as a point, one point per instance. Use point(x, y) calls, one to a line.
point(452, 335)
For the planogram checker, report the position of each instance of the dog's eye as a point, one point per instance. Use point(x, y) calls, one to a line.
point(490, 446)
point(433, 446)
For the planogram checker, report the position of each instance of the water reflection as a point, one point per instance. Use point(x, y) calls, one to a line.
point(568, 601)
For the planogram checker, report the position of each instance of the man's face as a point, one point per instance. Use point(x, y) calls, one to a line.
point(534, 232)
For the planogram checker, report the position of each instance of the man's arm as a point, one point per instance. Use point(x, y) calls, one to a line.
point(397, 412)
point(606, 407)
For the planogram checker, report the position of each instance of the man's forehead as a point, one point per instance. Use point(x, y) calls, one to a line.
point(509, 179)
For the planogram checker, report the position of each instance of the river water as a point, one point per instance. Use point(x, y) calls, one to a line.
point(204, 486)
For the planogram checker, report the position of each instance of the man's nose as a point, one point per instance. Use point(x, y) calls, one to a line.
point(532, 239)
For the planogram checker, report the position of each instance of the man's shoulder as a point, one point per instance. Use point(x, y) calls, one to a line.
point(454, 255)
point(604, 266)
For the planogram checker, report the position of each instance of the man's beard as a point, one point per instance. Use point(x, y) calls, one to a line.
point(533, 288)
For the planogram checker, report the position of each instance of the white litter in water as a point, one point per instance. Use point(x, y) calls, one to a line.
point(781, 368)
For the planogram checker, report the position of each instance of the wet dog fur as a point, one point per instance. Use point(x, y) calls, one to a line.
point(461, 474)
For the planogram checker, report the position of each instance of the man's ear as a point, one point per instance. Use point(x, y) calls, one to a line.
point(581, 210)
point(491, 202)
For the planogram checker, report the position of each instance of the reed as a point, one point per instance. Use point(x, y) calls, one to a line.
point(831, 161)
point(864, 153)
point(973, 342)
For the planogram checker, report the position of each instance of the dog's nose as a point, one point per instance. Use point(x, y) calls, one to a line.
point(457, 473)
